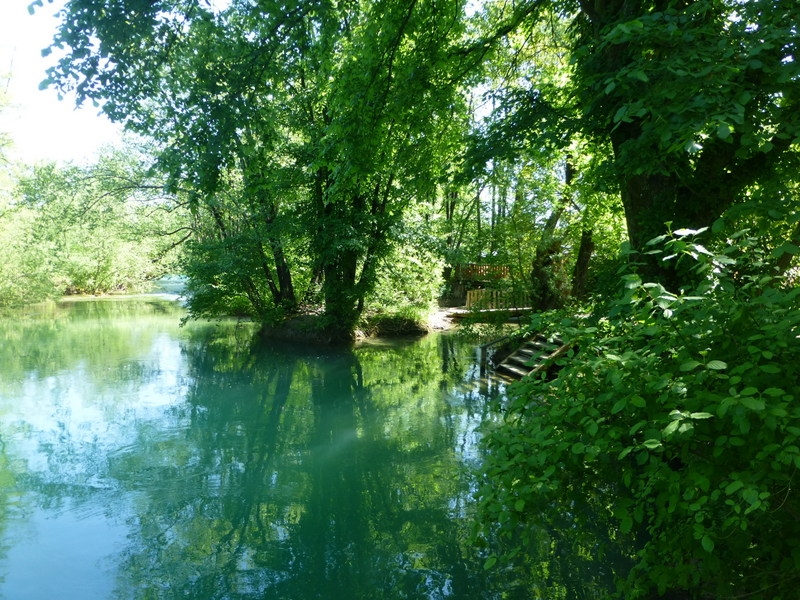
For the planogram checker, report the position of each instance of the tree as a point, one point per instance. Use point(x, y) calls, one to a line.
point(697, 99)
point(531, 145)
point(5, 140)
point(326, 113)
point(91, 229)
point(668, 437)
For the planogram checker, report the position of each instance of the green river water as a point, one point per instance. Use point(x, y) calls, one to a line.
point(144, 460)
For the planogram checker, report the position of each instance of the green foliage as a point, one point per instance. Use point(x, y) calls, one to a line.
point(411, 276)
point(688, 107)
point(699, 100)
point(671, 435)
point(5, 139)
point(549, 182)
point(328, 116)
point(24, 272)
point(91, 230)
point(231, 260)
point(213, 287)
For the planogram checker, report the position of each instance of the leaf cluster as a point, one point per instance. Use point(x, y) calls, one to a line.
point(671, 435)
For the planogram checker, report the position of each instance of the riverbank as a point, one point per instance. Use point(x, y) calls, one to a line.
point(306, 328)
point(442, 319)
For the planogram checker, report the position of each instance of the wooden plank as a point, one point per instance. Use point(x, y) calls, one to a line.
point(535, 356)
point(547, 362)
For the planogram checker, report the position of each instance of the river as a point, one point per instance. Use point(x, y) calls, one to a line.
point(140, 459)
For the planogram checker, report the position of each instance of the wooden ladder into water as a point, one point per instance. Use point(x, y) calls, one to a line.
point(533, 356)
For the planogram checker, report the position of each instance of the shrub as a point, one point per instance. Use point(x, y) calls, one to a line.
point(671, 437)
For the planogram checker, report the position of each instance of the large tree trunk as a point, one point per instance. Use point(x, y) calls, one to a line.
point(339, 255)
point(341, 299)
point(545, 294)
point(663, 187)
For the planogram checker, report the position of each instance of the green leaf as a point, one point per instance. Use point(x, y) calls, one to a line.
point(786, 248)
point(716, 365)
point(626, 524)
point(519, 505)
point(652, 444)
point(636, 427)
point(653, 242)
point(638, 401)
point(734, 486)
point(620, 114)
point(752, 403)
point(750, 495)
point(490, 562)
point(692, 147)
point(683, 232)
point(773, 392)
point(701, 415)
point(689, 365)
point(708, 544)
point(619, 405)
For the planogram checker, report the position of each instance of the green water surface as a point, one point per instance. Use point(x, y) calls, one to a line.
point(142, 460)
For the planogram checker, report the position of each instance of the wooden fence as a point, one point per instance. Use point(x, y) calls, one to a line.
point(476, 272)
point(482, 299)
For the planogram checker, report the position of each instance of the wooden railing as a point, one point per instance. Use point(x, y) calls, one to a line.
point(476, 272)
point(494, 299)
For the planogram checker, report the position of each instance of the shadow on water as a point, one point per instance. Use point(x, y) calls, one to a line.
point(321, 474)
point(196, 463)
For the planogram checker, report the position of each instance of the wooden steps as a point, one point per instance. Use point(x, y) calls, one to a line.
point(533, 356)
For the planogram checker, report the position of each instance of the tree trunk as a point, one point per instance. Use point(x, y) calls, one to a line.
point(341, 299)
point(674, 189)
point(581, 271)
point(545, 294)
point(286, 297)
point(785, 259)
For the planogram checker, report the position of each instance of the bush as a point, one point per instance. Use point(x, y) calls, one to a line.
point(671, 437)
point(409, 279)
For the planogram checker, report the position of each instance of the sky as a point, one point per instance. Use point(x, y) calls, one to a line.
point(41, 127)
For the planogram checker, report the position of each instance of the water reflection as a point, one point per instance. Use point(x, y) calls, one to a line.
point(141, 460)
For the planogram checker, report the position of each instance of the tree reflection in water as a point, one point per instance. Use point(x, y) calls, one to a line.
point(288, 472)
point(142, 460)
